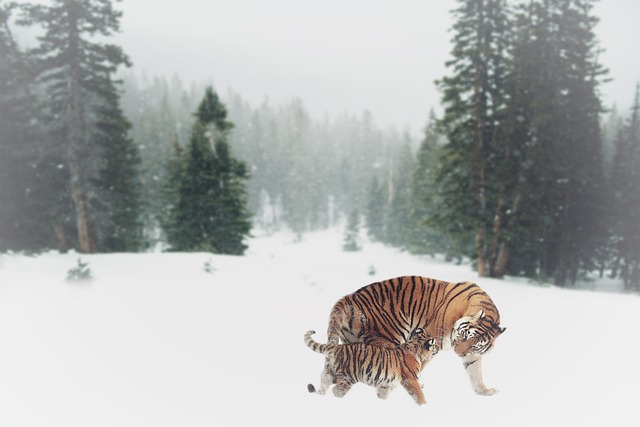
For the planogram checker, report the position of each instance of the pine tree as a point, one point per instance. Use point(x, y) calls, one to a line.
point(26, 170)
point(424, 202)
point(398, 228)
point(75, 72)
point(119, 223)
point(297, 193)
point(209, 204)
point(376, 212)
point(474, 101)
point(626, 200)
point(555, 143)
point(351, 242)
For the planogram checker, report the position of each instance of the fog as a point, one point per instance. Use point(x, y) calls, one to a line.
point(336, 56)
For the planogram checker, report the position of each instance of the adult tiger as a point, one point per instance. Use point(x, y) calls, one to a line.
point(458, 315)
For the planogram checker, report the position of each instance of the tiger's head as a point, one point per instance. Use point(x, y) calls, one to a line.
point(425, 342)
point(474, 334)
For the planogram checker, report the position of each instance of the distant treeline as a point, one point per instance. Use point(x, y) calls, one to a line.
point(519, 173)
point(305, 173)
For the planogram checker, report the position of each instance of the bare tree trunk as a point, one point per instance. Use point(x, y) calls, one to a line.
point(84, 224)
point(502, 259)
point(480, 111)
point(501, 262)
point(77, 157)
point(497, 229)
point(480, 251)
point(77, 153)
point(61, 240)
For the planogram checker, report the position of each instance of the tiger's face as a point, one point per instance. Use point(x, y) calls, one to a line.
point(426, 342)
point(474, 335)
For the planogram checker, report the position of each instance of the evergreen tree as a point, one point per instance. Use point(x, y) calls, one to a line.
point(19, 227)
point(423, 237)
point(376, 212)
point(119, 222)
point(351, 242)
point(555, 143)
point(397, 226)
point(296, 198)
point(522, 172)
point(29, 171)
point(209, 211)
point(474, 100)
point(75, 72)
point(626, 200)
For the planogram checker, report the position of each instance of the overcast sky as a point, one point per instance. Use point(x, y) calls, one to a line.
point(336, 55)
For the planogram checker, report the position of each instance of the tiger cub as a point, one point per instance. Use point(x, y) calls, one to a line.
point(379, 367)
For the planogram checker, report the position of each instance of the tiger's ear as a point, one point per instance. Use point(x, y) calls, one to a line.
point(478, 316)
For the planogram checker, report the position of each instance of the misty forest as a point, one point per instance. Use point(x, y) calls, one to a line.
point(519, 168)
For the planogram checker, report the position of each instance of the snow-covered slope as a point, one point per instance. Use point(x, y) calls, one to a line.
point(154, 340)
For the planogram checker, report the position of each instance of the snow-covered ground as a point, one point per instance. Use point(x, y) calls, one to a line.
point(155, 340)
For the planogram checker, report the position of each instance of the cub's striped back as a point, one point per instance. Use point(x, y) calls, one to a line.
point(379, 367)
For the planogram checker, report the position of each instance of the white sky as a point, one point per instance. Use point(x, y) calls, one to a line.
point(336, 55)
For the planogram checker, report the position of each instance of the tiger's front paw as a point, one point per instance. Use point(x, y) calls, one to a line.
point(487, 391)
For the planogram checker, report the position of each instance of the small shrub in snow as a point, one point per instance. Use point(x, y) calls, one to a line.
point(208, 266)
point(80, 273)
point(540, 279)
point(372, 270)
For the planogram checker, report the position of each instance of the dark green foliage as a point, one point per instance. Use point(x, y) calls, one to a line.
point(81, 273)
point(423, 236)
point(119, 215)
point(474, 99)
point(556, 212)
point(377, 208)
point(521, 176)
point(398, 228)
point(83, 127)
point(23, 203)
point(206, 188)
point(625, 191)
point(306, 174)
point(351, 242)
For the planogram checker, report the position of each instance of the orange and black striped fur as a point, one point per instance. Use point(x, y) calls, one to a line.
point(379, 367)
point(457, 315)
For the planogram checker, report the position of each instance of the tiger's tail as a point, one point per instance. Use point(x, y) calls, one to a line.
point(345, 317)
point(314, 345)
point(335, 324)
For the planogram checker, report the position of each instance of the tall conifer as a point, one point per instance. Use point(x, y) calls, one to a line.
point(76, 73)
point(626, 200)
point(24, 222)
point(556, 215)
point(424, 238)
point(473, 96)
point(209, 198)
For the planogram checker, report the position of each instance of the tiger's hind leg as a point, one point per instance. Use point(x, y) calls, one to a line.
point(384, 390)
point(414, 389)
point(343, 385)
point(327, 378)
point(473, 366)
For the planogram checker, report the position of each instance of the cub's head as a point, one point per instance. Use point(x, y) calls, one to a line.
point(425, 342)
point(474, 334)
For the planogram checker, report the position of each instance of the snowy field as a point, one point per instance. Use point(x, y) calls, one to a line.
point(155, 340)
